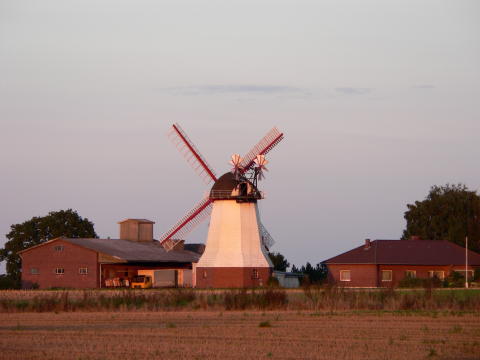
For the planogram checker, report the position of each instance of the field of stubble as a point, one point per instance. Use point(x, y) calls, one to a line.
point(239, 335)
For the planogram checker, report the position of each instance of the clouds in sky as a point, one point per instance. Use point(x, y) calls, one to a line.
point(424, 86)
point(353, 90)
point(215, 89)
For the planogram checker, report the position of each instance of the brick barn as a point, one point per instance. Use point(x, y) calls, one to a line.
point(97, 263)
point(384, 263)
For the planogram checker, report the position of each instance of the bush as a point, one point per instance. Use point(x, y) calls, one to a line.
point(273, 282)
point(455, 280)
point(411, 282)
point(7, 283)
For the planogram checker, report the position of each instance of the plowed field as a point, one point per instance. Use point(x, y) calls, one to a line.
point(239, 335)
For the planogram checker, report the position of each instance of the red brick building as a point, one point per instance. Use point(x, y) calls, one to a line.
point(384, 263)
point(94, 263)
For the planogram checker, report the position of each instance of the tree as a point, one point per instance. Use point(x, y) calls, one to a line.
point(313, 275)
point(279, 261)
point(38, 230)
point(449, 212)
point(317, 274)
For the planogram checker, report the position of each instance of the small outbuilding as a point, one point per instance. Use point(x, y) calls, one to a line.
point(384, 263)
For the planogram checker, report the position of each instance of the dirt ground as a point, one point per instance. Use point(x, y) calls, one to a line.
point(239, 335)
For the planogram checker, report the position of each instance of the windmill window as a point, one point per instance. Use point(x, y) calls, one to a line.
point(58, 247)
point(59, 271)
point(255, 274)
point(386, 275)
point(345, 275)
point(34, 271)
point(83, 271)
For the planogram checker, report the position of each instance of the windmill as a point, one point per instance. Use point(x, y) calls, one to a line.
point(237, 242)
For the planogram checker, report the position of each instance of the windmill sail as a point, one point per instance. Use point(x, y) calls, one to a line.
point(266, 144)
point(267, 239)
point(188, 149)
point(187, 223)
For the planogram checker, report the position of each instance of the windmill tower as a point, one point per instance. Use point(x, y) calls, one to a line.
point(237, 243)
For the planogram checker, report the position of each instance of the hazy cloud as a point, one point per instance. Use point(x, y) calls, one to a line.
point(235, 89)
point(353, 90)
point(424, 86)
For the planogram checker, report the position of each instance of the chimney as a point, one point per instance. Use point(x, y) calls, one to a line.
point(415, 237)
point(367, 244)
point(140, 230)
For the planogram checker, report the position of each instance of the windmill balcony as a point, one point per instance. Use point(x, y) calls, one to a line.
point(234, 195)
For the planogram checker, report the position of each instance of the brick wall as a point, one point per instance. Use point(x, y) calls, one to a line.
point(362, 275)
point(232, 277)
point(45, 259)
point(369, 275)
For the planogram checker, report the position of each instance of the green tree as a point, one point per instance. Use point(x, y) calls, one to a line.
point(279, 261)
point(38, 230)
point(449, 212)
point(315, 275)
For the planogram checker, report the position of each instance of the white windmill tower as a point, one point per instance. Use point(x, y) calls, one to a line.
point(237, 244)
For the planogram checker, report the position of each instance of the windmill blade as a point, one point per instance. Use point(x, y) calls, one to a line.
point(188, 149)
point(260, 166)
point(267, 239)
point(235, 161)
point(187, 223)
point(266, 144)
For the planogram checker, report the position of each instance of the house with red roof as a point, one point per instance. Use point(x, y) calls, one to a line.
point(384, 263)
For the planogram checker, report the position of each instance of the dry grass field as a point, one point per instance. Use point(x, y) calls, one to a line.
point(240, 335)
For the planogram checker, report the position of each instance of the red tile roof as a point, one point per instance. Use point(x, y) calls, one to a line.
point(407, 252)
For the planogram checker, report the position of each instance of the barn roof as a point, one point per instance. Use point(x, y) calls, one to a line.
point(132, 251)
point(407, 252)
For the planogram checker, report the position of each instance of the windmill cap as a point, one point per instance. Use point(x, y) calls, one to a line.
point(226, 182)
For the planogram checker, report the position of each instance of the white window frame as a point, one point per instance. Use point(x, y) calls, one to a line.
point(413, 274)
point(59, 271)
point(58, 247)
point(342, 277)
point(83, 271)
point(34, 271)
point(434, 273)
point(386, 272)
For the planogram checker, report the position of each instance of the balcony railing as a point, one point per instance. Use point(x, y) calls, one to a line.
point(228, 194)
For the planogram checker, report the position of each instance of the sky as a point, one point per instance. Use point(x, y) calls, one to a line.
point(378, 101)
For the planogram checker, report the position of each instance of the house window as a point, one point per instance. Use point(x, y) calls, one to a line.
point(83, 271)
point(59, 271)
point(345, 275)
point(255, 274)
point(58, 247)
point(439, 274)
point(412, 274)
point(462, 272)
point(34, 271)
point(386, 275)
